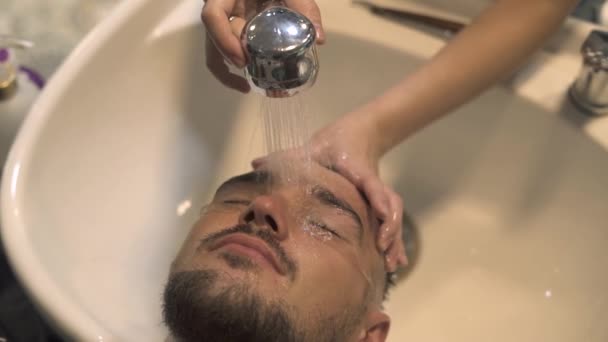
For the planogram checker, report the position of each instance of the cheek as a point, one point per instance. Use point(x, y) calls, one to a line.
point(210, 222)
point(329, 276)
point(213, 220)
point(319, 247)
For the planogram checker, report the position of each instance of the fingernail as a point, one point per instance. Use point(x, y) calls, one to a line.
point(257, 162)
point(319, 37)
point(390, 266)
point(384, 240)
point(404, 261)
point(387, 261)
point(383, 243)
point(320, 34)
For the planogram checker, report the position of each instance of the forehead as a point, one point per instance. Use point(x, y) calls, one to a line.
point(312, 175)
point(261, 177)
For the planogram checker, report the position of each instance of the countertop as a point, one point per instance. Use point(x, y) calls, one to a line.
point(55, 27)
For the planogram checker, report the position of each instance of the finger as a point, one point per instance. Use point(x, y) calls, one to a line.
point(390, 263)
point(215, 16)
point(395, 253)
point(310, 10)
point(402, 256)
point(259, 162)
point(237, 24)
point(373, 188)
point(395, 256)
point(392, 259)
point(215, 64)
point(392, 227)
point(369, 184)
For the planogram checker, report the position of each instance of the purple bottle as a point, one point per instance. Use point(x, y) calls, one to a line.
point(19, 87)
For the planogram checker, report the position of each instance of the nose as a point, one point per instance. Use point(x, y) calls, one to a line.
point(267, 212)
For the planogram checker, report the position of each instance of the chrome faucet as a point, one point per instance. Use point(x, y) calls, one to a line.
point(590, 90)
point(281, 54)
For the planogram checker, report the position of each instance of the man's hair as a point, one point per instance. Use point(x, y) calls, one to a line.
point(389, 283)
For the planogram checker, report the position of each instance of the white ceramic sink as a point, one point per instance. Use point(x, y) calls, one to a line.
point(510, 194)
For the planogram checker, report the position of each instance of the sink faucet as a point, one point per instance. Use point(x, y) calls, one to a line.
point(281, 54)
point(589, 91)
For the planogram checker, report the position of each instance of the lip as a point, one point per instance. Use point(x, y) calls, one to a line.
point(254, 244)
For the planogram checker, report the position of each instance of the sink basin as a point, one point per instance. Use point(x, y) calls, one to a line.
point(132, 134)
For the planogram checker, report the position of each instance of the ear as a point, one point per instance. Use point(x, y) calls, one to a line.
point(376, 328)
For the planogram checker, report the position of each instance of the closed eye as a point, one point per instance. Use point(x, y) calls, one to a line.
point(237, 202)
point(326, 228)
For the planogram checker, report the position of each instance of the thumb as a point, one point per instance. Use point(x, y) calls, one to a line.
point(258, 162)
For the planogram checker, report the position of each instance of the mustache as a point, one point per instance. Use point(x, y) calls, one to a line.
point(290, 265)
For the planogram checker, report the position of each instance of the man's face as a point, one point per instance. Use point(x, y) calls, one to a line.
point(298, 257)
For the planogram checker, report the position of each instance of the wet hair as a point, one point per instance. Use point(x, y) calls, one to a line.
point(389, 283)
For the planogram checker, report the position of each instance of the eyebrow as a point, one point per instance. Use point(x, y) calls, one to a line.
point(325, 196)
point(259, 177)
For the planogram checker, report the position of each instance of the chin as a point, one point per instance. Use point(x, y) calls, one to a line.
point(258, 281)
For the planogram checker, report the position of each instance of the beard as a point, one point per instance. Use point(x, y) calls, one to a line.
point(196, 309)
